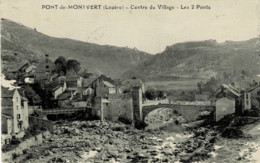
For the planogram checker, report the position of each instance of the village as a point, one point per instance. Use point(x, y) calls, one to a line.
point(50, 91)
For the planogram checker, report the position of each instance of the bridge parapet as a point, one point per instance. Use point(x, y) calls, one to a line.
point(189, 112)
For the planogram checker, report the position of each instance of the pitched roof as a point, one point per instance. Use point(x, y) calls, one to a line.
point(76, 98)
point(229, 87)
point(87, 82)
point(16, 67)
point(53, 85)
point(132, 82)
point(250, 89)
point(108, 84)
point(105, 78)
point(6, 116)
point(232, 89)
point(65, 95)
point(24, 98)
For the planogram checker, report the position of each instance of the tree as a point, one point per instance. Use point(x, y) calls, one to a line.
point(151, 94)
point(161, 94)
point(61, 64)
point(86, 74)
point(73, 65)
point(32, 96)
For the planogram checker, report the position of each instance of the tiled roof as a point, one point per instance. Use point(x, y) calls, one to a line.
point(250, 89)
point(64, 96)
point(108, 84)
point(87, 82)
point(76, 98)
point(232, 89)
point(6, 116)
point(16, 67)
point(105, 78)
point(53, 85)
point(132, 82)
point(24, 98)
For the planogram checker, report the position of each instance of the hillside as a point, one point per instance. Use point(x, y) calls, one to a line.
point(203, 59)
point(26, 43)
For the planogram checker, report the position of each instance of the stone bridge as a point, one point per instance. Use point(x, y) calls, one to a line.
point(62, 111)
point(58, 111)
point(188, 112)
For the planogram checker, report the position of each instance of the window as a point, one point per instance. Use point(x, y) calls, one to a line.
point(18, 116)
point(17, 99)
point(7, 141)
point(47, 66)
point(17, 107)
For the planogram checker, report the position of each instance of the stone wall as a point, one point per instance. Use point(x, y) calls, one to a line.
point(40, 123)
point(120, 106)
point(32, 141)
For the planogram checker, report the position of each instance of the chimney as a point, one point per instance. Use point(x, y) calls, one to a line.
point(47, 57)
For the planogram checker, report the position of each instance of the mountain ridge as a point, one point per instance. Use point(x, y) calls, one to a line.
point(101, 59)
point(203, 59)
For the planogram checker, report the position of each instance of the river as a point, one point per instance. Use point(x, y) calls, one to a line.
point(95, 141)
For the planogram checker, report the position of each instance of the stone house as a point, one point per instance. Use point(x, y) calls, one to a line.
point(224, 106)
point(14, 113)
point(231, 92)
point(127, 106)
point(59, 90)
point(105, 88)
point(130, 83)
point(74, 82)
point(17, 70)
point(88, 82)
point(89, 94)
point(251, 98)
point(64, 99)
point(44, 69)
point(101, 79)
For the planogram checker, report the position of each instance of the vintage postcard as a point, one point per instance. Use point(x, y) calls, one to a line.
point(130, 81)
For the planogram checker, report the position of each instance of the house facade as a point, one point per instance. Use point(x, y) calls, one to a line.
point(44, 68)
point(14, 114)
point(105, 88)
point(224, 106)
point(130, 83)
point(251, 98)
point(231, 92)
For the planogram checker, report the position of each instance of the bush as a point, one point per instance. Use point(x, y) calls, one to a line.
point(124, 120)
point(15, 141)
point(232, 132)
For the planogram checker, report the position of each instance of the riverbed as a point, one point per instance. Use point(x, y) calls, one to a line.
point(95, 141)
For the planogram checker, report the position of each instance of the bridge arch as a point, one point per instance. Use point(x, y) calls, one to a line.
point(188, 112)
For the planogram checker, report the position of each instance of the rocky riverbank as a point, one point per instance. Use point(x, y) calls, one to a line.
point(95, 141)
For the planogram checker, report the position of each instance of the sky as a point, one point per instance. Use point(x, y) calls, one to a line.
point(147, 30)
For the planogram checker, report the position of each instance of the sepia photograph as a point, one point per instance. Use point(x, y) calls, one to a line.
point(129, 81)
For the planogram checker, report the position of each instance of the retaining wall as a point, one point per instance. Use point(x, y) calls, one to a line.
point(30, 142)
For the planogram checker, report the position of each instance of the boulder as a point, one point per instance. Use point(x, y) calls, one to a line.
point(232, 132)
